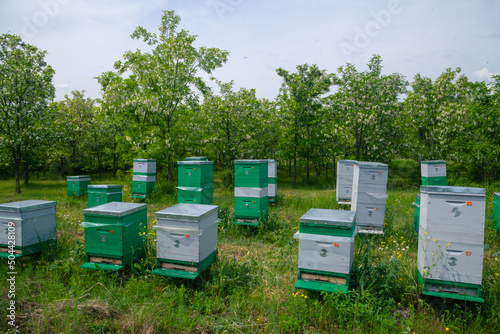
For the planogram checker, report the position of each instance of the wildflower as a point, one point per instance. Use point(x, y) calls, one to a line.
point(447, 329)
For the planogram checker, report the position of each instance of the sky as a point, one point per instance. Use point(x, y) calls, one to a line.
point(83, 38)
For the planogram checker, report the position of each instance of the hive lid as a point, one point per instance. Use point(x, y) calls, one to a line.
point(144, 160)
point(332, 218)
point(105, 186)
point(196, 159)
point(453, 190)
point(187, 212)
point(115, 209)
point(249, 161)
point(25, 206)
point(78, 177)
point(195, 162)
point(433, 162)
point(346, 161)
point(497, 195)
point(373, 165)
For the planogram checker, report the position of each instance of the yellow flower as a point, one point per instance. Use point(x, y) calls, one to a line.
point(447, 329)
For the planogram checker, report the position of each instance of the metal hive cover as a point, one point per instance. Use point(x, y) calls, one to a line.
point(328, 217)
point(347, 161)
point(196, 159)
point(28, 205)
point(195, 162)
point(250, 161)
point(497, 195)
point(433, 162)
point(453, 190)
point(78, 177)
point(144, 160)
point(368, 164)
point(106, 186)
point(115, 209)
point(190, 212)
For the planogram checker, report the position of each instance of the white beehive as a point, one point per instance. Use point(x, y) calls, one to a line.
point(272, 169)
point(146, 166)
point(370, 177)
point(186, 232)
point(433, 168)
point(345, 169)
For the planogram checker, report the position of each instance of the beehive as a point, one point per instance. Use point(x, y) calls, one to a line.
point(104, 193)
point(114, 235)
point(272, 175)
point(369, 194)
point(250, 191)
point(186, 239)
point(251, 173)
point(77, 185)
point(195, 181)
point(451, 241)
point(496, 211)
point(326, 249)
point(143, 178)
point(250, 203)
point(27, 227)
point(345, 170)
point(192, 195)
point(433, 172)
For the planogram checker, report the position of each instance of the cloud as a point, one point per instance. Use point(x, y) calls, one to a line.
point(484, 74)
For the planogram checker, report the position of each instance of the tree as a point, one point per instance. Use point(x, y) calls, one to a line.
point(368, 109)
point(300, 98)
point(161, 84)
point(26, 90)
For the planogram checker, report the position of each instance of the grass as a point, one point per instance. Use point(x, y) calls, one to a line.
point(250, 289)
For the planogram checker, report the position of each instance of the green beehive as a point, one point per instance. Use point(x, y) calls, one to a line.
point(250, 205)
point(104, 193)
point(496, 211)
point(114, 235)
point(433, 173)
point(416, 216)
point(142, 185)
point(197, 174)
point(77, 185)
point(251, 173)
point(192, 195)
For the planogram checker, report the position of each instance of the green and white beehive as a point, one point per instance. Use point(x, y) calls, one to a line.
point(195, 181)
point(272, 174)
point(27, 227)
point(143, 177)
point(77, 185)
point(99, 194)
point(433, 173)
point(326, 250)
point(186, 239)
point(451, 241)
point(250, 191)
point(496, 211)
point(345, 171)
point(114, 235)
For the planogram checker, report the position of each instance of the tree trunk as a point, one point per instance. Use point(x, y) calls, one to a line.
point(18, 183)
point(26, 174)
point(307, 171)
point(169, 166)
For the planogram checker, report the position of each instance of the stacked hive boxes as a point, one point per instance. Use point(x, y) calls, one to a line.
point(345, 170)
point(433, 173)
point(143, 178)
point(77, 185)
point(26, 227)
point(451, 241)
point(326, 249)
point(369, 194)
point(272, 174)
point(114, 235)
point(195, 181)
point(496, 211)
point(186, 239)
point(104, 193)
point(250, 191)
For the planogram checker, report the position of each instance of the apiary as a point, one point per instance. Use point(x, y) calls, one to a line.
point(143, 177)
point(496, 211)
point(345, 170)
point(272, 175)
point(195, 181)
point(326, 249)
point(114, 235)
point(433, 172)
point(186, 239)
point(251, 173)
point(104, 193)
point(27, 227)
point(369, 195)
point(77, 185)
point(451, 241)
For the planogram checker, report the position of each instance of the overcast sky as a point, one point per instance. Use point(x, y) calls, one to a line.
point(84, 38)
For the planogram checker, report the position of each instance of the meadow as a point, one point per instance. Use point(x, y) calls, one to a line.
point(250, 288)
